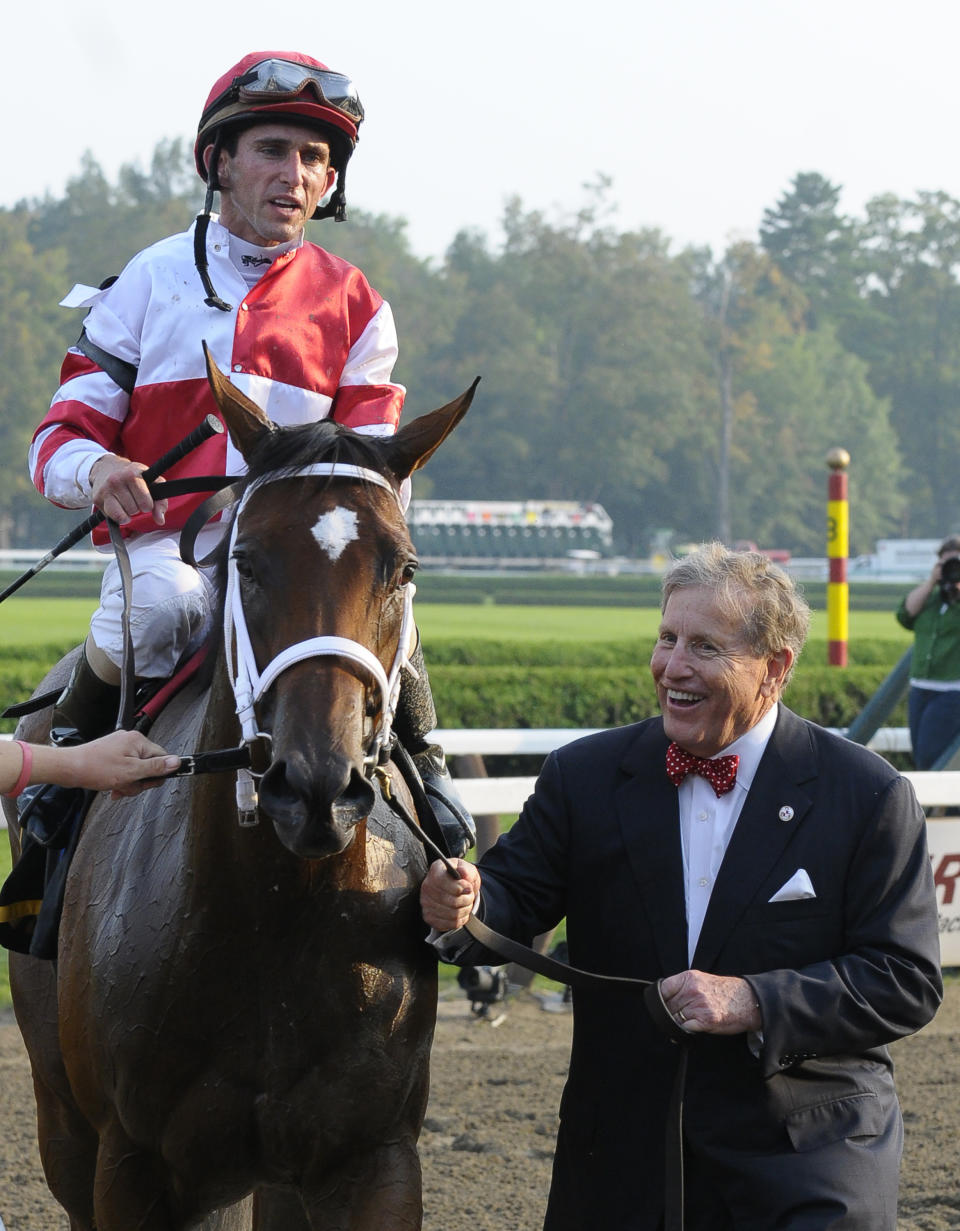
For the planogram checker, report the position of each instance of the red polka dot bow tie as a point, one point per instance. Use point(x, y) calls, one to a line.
point(720, 772)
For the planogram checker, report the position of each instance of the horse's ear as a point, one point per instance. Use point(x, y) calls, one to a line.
point(417, 441)
point(245, 421)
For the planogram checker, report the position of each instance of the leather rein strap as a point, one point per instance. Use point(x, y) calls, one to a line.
point(574, 977)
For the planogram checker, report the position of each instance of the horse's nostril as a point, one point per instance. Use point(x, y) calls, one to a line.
point(275, 786)
point(296, 798)
point(358, 796)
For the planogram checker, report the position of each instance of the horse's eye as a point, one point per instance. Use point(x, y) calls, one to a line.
point(243, 566)
point(408, 571)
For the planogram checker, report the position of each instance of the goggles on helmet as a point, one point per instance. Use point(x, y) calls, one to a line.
point(278, 80)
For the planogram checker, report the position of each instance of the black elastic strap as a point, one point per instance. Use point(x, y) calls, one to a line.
point(123, 374)
point(35, 704)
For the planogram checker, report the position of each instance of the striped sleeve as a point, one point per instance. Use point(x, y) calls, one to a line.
point(88, 411)
point(83, 422)
point(367, 400)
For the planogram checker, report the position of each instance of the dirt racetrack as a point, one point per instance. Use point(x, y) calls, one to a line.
point(488, 1139)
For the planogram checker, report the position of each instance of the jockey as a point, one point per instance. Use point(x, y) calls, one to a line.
point(300, 331)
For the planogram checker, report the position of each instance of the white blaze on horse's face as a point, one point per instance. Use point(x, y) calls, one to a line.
point(335, 530)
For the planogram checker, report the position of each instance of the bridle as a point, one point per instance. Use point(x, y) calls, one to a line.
point(250, 684)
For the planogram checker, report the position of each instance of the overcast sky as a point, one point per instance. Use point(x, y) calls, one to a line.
point(700, 111)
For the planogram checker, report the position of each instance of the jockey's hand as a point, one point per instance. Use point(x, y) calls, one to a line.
point(711, 1004)
point(447, 903)
point(120, 493)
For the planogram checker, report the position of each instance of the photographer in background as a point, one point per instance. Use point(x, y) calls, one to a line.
point(932, 612)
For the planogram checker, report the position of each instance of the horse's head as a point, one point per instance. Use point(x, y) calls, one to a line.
point(318, 618)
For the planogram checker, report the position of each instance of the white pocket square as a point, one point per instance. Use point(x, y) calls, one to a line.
point(798, 886)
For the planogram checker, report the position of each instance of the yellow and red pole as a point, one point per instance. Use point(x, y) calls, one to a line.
point(838, 550)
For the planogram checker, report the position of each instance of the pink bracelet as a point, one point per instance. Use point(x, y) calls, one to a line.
point(25, 769)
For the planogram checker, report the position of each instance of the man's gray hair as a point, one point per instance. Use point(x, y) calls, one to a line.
point(751, 590)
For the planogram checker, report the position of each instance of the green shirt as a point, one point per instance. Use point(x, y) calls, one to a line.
point(936, 646)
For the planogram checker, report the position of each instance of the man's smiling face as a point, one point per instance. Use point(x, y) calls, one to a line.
point(711, 686)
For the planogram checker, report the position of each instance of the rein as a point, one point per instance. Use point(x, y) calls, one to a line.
point(573, 976)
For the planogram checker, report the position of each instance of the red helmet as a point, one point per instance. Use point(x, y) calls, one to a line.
point(281, 84)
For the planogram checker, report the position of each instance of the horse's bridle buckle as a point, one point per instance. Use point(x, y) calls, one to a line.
point(385, 780)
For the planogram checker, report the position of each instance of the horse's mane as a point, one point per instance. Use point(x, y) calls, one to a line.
point(287, 448)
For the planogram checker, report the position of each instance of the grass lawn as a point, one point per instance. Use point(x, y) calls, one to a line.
point(44, 621)
point(27, 621)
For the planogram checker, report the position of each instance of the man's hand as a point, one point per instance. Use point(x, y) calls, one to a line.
point(447, 903)
point(120, 493)
point(711, 1004)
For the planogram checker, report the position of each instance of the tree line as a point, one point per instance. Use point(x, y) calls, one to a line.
point(693, 394)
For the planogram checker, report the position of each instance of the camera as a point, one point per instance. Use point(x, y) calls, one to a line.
point(484, 985)
point(950, 579)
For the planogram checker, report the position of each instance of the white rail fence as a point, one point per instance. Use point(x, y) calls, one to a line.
point(488, 797)
point(484, 796)
point(499, 795)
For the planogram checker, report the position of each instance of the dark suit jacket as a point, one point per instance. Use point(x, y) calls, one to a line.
point(814, 1115)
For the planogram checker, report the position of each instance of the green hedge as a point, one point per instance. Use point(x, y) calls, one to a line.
point(475, 652)
point(559, 684)
point(564, 696)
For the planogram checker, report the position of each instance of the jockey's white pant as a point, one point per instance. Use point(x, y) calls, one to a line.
point(171, 606)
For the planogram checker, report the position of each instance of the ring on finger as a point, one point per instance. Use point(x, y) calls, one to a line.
point(679, 1015)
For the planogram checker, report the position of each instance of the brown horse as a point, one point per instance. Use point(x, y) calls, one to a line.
point(237, 1031)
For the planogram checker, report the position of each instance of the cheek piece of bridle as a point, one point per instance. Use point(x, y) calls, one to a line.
point(249, 683)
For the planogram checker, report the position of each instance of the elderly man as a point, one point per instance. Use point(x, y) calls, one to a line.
point(776, 879)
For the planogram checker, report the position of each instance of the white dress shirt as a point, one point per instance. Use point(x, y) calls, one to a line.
point(707, 823)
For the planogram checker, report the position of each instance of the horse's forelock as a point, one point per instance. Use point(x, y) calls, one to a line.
point(291, 447)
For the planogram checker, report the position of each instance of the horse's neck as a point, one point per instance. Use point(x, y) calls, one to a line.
point(219, 727)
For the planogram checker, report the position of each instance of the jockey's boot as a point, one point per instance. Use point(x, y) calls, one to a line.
point(86, 709)
point(415, 718)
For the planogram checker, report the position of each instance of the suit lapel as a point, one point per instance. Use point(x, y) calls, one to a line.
point(647, 811)
point(760, 835)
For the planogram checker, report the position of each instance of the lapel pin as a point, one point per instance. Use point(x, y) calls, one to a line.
point(786, 813)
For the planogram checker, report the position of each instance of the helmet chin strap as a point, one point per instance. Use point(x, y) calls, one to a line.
point(336, 207)
point(212, 299)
